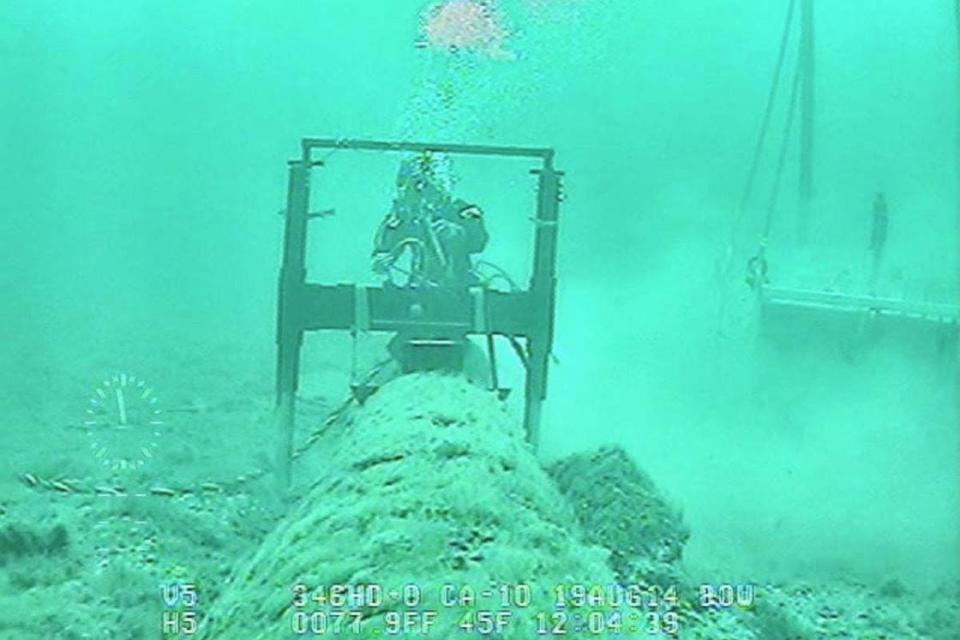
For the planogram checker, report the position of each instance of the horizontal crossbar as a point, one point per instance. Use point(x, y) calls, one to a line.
point(930, 311)
point(348, 307)
point(308, 144)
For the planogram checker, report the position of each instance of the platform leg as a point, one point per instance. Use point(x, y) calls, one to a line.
point(284, 454)
point(536, 389)
point(289, 336)
point(531, 420)
point(543, 286)
point(288, 368)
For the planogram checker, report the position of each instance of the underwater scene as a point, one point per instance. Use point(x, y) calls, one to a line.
point(504, 319)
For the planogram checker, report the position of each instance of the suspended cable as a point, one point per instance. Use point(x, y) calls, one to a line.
point(768, 112)
point(757, 267)
point(957, 15)
point(761, 139)
point(784, 144)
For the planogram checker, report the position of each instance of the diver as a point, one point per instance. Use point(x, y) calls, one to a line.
point(757, 268)
point(439, 234)
point(878, 238)
point(438, 231)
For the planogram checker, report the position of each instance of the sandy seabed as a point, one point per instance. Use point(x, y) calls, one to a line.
point(430, 482)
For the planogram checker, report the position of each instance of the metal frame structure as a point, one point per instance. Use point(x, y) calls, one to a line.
point(772, 298)
point(934, 314)
point(303, 306)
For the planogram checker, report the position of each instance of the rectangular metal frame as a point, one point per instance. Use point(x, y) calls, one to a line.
point(302, 306)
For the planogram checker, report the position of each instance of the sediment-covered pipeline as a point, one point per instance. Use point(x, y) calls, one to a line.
point(430, 494)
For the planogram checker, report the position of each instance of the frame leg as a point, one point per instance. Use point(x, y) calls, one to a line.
point(288, 370)
point(286, 409)
point(536, 390)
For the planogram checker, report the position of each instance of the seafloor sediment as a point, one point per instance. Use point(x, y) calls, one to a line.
point(429, 484)
point(430, 491)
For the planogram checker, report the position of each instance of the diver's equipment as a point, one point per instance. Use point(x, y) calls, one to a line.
point(418, 219)
point(417, 249)
point(498, 274)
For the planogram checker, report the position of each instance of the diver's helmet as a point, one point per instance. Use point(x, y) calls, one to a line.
point(426, 172)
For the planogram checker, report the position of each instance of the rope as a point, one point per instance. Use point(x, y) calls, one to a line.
point(234, 485)
point(768, 112)
point(757, 267)
point(957, 11)
point(784, 143)
point(761, 137)
point(337, 413)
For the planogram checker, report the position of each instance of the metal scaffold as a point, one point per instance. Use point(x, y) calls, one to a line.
point(868, 303)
